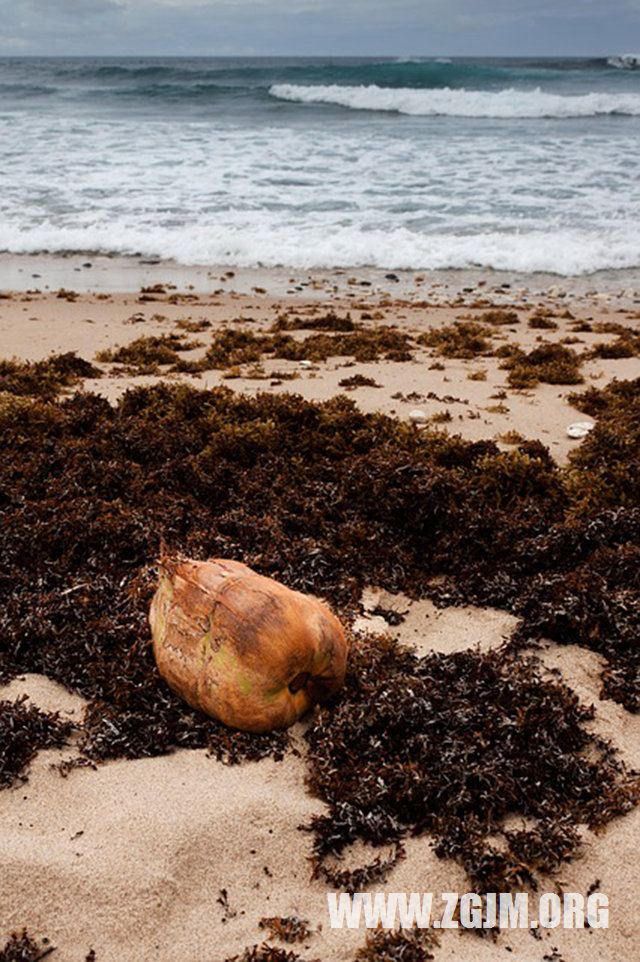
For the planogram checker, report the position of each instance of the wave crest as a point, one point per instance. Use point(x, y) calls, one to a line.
point(447, 102)
point(625, 61)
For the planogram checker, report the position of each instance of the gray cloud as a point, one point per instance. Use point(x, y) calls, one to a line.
point(305, 27)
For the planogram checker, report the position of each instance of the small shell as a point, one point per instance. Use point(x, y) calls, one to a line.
point(580, 429)
point(418, 415)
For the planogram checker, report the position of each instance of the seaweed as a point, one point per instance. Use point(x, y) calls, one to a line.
point(45, 378)
point(325, 322)
point(605, 469)
point(24, 731)
point(549, 363)
point(450, 745)
point(290, 929)
point(321, 496)
point(406, 945)
point(234, 347)
point(147, 353)
point(499, 317)
point(357, 380)
point(542, 320)
point(265, 953)
point(22, 948)
point(463, 339)
point(627, 344)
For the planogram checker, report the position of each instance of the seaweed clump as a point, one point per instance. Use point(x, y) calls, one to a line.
point(450, 745)
point(499, 317)
point(549, 363)
point(147, 353)
point(357, 380)
point(325, 322)
point(605, 469)
point(413, 945)
point(24, 731)
point(45, 378)
point(463, 339)
point(289, 929)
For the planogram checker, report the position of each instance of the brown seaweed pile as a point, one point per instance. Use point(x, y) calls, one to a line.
point(320, 496)
point(412, 945)
point(289, 929)
point(450, 746)
point(24, 731)
point(322, 322)
point(45, 378)
point(463, 339)
point(147, 353)
point(549, 363)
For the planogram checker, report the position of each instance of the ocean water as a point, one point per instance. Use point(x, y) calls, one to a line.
point(523, 165)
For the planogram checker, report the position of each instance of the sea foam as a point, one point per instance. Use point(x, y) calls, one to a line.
point(511, 103)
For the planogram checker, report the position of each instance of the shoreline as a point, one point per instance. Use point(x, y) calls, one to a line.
point(120, 274)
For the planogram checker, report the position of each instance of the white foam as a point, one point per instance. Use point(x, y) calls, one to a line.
point(322, 195)
point(625, 61)
point(267, 244)
point(445, 101)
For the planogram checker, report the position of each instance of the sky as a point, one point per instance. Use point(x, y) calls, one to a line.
point(319, 27)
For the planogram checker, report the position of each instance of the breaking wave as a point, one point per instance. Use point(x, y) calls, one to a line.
point(447, 102)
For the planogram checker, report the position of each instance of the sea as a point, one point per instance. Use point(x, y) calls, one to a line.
point(402, 163)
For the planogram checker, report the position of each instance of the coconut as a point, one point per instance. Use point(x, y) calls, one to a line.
point(242, 647)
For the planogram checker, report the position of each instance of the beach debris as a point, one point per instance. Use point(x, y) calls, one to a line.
point(358, 380)
point(243, 648)
point(22, 948)
point(450, 746)
point(580, 429)
point(418, 415)
point(45, 378)
point(403, 945)
point(462, 339)
point(290, 929)
point(549, 363)
point(267, 953)
point(24, 731)
point(322, 497)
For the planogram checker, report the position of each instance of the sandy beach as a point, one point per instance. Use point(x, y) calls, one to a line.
point(176, 858)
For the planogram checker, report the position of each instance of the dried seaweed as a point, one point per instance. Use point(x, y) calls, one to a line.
point(451, 746)
point(549, 363)
point(357, 380)
point(325, 322)
point(265, 953)
point(147, 353)
point(45, 378)
point(320, 496)
point(21, 948)
point(406, 945)
point(463, 339)
point(24, 731)
point(290, 929)
point(499, 317)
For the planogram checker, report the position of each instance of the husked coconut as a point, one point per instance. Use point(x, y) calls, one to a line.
point(242, 647)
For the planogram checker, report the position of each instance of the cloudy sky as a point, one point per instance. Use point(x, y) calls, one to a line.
point(306, 27)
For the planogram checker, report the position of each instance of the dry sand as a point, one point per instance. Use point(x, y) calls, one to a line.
point(131, 859)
